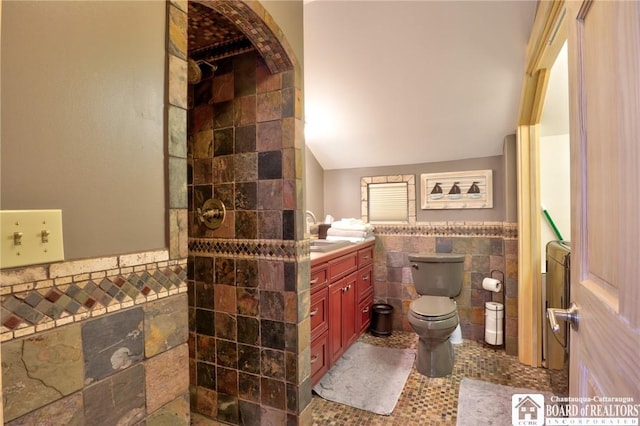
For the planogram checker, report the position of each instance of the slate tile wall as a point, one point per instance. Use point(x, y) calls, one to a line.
point(131, 355)
point(248, 298)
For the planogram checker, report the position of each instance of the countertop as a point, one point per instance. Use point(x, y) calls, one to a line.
point(321, 257)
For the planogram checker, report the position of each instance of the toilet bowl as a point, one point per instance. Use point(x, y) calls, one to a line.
point(434, 315)
point(435, 352)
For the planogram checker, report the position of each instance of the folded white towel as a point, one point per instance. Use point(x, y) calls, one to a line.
point(350, 239)
point(352, 225)
point(347, 233)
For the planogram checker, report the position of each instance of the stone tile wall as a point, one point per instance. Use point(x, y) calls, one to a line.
point(486, 247)
point(248, 296)
point(73, 332)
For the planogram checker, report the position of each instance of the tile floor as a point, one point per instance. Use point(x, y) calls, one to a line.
point(433, 401)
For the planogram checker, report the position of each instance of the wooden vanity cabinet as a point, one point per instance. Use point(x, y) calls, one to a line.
point(319, 358)
point(364, 289)
point(365, 298)
point(341, 301)
point(319, 309)
point(342, 316)
point(319, 318)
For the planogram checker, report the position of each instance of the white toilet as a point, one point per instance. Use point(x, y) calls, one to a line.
point(434, 315)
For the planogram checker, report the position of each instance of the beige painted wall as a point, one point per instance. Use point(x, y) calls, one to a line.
point(82, 113)
point(342, 189)
point(314, 185)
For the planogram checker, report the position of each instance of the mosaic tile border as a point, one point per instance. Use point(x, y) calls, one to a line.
point(285, 250)
point(452, 229)
point(39, 298)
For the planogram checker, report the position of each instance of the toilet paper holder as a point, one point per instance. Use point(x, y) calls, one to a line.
point(500, 272)
point(503, 291)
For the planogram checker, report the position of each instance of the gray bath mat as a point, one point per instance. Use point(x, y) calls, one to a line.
point(484, 403)
point(368, 377)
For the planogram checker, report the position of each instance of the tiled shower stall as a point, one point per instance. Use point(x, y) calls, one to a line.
point(247, 294)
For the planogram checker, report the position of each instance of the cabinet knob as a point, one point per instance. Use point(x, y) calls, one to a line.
point(313, 281)
point(365, 310)
point(312, 313)
point(365, 278)
point(314, 359)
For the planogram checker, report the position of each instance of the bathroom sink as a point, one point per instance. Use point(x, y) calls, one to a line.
point(324, 246)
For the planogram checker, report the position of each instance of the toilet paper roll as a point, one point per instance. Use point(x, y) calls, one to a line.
point(492, 284)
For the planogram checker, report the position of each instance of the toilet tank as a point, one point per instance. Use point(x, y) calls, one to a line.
point(437, 274)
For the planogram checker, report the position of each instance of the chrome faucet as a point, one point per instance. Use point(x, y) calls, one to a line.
point(308, 214)
point(313, 216)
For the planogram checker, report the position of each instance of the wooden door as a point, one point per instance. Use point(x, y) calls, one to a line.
point(604, 74)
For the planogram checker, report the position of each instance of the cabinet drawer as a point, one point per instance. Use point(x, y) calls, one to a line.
point(318, 278)
point(319, 312)
point(319, 359)
point(343, 266)
point(365, 281)
point(364, 312)
point(365, 256)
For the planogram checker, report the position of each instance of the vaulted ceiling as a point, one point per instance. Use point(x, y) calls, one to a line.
point(405, 82)
point(389, 82)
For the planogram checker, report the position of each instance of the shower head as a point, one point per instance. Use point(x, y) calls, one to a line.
point(194, 72)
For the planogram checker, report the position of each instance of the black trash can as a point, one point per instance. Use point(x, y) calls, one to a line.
point(381, 321)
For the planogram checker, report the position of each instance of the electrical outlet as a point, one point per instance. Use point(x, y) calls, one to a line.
point(30, 237)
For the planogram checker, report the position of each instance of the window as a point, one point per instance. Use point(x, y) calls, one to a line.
point(388, 202)
point(388, 199)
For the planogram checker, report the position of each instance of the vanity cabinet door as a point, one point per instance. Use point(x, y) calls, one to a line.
point(319, 358)
point(365, 256)
point(319, 312)
point(342, 315)
point(343, 266)
point(319, 278)
point(365, 281)
point(364, 312)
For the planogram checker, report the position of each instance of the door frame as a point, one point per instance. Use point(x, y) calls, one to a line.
point(548, 34)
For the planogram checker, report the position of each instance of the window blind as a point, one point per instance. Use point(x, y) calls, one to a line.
point(388, 202)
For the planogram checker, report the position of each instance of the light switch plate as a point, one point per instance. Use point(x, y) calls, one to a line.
point(30, 237)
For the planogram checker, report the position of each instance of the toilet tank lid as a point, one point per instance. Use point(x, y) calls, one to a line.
point(436, 258)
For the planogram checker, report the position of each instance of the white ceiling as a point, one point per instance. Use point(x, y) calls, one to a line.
point(406, 82)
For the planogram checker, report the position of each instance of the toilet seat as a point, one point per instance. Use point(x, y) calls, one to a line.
point(433, 308)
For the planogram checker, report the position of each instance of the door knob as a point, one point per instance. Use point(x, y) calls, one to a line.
point(570, 315)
